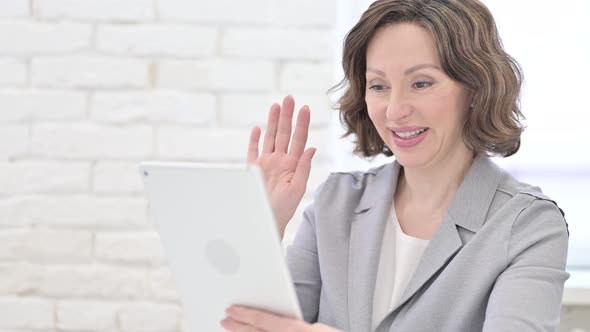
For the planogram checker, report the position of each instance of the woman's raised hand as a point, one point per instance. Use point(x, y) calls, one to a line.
point(285, 163)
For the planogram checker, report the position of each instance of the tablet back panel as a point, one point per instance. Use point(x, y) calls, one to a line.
point(220, 240)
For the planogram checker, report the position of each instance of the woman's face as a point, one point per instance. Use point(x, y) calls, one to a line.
point(416, 108)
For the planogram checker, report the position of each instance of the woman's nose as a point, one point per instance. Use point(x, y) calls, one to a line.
point(397, 108)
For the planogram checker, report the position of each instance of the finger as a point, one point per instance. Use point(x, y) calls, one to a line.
point(235, 326)
point(303, 168)
point(268, 145)
point(301, 132)
point(284, 130)
point(253, 145)
point(259, 319)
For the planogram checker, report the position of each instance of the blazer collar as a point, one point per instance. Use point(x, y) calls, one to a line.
point(470, 204)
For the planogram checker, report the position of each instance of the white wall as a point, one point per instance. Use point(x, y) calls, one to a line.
point(90, 87)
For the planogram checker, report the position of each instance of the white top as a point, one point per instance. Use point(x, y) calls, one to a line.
point(400, 254)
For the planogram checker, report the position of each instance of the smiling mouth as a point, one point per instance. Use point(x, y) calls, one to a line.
point(410, 134)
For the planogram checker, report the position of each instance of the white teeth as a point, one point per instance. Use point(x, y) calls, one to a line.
point(410, 134)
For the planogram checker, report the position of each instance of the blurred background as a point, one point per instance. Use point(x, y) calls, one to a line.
point(88, 88)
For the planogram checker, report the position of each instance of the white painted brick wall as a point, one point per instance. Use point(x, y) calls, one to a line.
point(150, 317)
point(129, 247)
point(88, 88)
point(91, 141)
point(36, 105)
point(14, 141)
point(40, 38)
point(116, 178)
point(13, 72)
point(182, 108)
point(217, 12)
point(120, 212)
point(86, 315)
point(19, 278)
point(26, 313)
point(96, 10)
point(34, 176)
point(306, 77)
point(220, 145)
point(14, 8)
point(47, 245)
point(218, 75)
point(90, 72)
point(283, 43)
point(107, 282)
point(176, 40)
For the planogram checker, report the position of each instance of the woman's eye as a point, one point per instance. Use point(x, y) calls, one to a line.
point(422, 84)
point(377, 87)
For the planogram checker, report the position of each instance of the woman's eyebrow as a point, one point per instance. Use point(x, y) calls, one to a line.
point(407, 71)
point(376, 71)
point(418, 67)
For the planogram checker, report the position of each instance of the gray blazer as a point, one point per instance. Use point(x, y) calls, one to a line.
point(496, 262)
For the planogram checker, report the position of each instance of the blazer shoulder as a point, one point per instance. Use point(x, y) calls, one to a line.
point(528, 197)
point(512, 187)
point(347, 187)
point(351, 180)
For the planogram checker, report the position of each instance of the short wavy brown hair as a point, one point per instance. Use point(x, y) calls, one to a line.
point(470, 52)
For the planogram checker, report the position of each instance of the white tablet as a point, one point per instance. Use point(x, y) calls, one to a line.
point(220, 240)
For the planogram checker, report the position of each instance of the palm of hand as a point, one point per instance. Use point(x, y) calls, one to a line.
point(284, 163)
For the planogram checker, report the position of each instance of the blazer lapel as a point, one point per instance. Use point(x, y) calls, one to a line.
point(365, 245)
point(441, 249)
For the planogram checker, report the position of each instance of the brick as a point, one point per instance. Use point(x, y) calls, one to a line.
point(249, 110)
point(37, 37)
point(14, 8)
point(14, 141)
point(37, 105)
point(13, 72)
point(11, 241)
point(26, 313)
point(283, 43)
point(105, 282)
point(19, 278)
point(91, 141)
point(89, 72)
point(220, 11)
point(51, 245)
point(43, 176)
point(202, 145)
point(14, 211)
point(306, 77)
point(87, 315)
point(74, 211)
point(157, 40)
point(305, 13)
point(126, 247)
point(150, 317)
point(218, 75)
point(117, 177)
point(99, 10)
point(163, 285)
point(154, 107)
